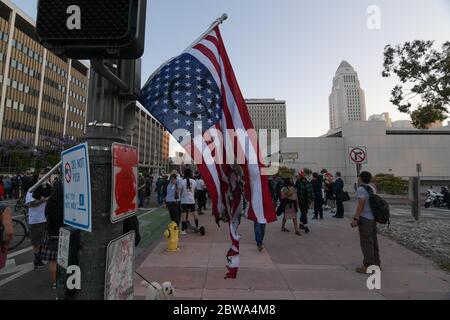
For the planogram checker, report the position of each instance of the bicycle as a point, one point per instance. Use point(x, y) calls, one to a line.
point(20, 204)
point(21, 231)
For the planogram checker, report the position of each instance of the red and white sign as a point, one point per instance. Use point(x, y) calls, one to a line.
point(358, 155)
point(124, 182)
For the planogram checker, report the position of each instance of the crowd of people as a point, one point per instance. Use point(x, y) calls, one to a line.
point(13, 187)
point(299, 194)
point(186, 197)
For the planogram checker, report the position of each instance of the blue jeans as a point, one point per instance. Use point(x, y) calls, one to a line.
point(260, 231)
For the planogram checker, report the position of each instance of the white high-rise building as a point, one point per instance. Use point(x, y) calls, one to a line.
point(347, 99)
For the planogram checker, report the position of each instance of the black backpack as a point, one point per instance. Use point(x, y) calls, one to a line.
point(379, 206)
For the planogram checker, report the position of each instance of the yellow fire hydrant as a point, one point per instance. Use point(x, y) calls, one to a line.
point(172, 234)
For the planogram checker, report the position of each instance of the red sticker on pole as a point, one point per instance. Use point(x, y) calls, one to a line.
point(124, 182)
point(358, 155)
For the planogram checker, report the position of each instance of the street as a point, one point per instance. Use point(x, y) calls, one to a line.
point(19, 281)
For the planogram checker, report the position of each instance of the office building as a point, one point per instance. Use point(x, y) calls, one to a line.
point(347, 99)
point(43, 96)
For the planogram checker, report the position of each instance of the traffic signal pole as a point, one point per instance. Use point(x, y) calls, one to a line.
point(105, 127)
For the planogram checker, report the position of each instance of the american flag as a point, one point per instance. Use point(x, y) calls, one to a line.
point(198, 92)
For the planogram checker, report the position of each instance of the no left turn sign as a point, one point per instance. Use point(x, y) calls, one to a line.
point(358, 155)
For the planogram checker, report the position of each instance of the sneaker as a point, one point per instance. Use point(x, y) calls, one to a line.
point(362, 270)
point(302, 227)
point(183, 233)
point(307, 230)
point(53, 286)
point(38, 264)
point(261, 248)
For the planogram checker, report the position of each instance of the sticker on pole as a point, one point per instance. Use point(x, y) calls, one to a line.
point(358, 155)
point(120, 268)
point(124, 182)
point(77, 188)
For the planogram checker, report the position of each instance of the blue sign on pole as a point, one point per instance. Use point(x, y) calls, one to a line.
point(77, 188)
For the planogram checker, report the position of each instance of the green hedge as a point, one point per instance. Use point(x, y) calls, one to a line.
point(390, 184)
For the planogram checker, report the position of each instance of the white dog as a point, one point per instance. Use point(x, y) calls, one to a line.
point(156, 291)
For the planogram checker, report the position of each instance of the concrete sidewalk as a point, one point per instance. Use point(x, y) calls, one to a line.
point(319, 265)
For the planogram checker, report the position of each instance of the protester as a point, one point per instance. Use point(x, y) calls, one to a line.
point(2, 190)
point(290, 205)
point(305, 198)
point(6, 233)
point(260, 232)
point(187, 196)
point(148, 187)
point(36, 203)
point(16, 187)
point(159, 190)
point(339, 193)
point(173, 199)
point(200, 194)
point(329, 194)
point(318, 196)
point(8, 188)
point(141, 191)
point(54, 212)
point(364, 219)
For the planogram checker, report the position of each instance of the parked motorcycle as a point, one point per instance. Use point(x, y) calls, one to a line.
point(438, 200)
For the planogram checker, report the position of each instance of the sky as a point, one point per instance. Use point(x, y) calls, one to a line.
point(290, 49)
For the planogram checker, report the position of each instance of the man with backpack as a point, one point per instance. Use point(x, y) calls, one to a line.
point(370, 210)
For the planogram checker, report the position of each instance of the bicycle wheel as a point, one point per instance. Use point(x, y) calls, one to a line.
point(20, 234)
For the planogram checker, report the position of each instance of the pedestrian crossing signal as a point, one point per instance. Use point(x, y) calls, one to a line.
point(88, 29)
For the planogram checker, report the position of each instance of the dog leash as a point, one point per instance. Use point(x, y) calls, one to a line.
point(145, 280)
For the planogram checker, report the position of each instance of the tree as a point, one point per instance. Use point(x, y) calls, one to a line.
point(285, 172)
point(19, 154)
point(390, 184)
point(424, 73)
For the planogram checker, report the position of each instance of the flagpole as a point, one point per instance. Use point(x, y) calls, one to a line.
point(216, 23)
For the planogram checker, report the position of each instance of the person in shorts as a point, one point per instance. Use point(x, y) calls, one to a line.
point(36, 202)
point(54, 212)
point(187, 198)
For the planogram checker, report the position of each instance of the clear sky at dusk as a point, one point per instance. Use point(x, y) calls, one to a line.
point(290, 49)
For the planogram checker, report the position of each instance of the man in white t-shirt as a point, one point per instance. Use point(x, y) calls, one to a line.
point(37, 221)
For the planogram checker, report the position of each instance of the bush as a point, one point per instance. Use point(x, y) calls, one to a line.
point(390, 184)
point(285, 172)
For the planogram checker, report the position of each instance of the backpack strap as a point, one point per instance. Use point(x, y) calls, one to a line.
point(368, 189)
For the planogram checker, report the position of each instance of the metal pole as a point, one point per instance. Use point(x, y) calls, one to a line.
point(46, 177)
point(105, 119)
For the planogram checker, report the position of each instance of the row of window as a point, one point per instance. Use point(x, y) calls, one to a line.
point(76, 111)
point(78, 83)
point(52, 117)
point(75, 125)
point(4, 36)
point(25, 69)
point(20, 87)
point(55, 85)
point(56, 69)
point(77, 96)
point(52, 100)
point(19, 126)
point(15, 105)
point(26, 51)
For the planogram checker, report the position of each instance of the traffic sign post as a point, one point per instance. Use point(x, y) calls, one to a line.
point(358, 156)
point(124, 183)
point(98, 30)
point(77, 188)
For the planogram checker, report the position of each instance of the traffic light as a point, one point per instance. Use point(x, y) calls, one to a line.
point(86, 29)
